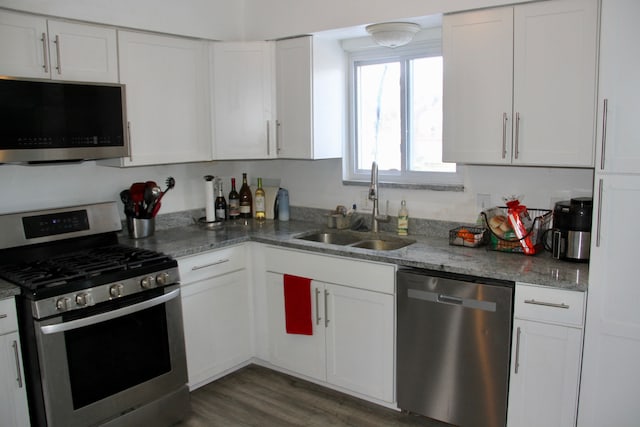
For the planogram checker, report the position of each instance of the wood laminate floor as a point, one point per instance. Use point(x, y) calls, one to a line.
point(257, 396)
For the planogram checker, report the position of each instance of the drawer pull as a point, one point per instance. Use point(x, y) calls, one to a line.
point(546, 304)
point(3, 316)
point(17, 355)
point(200, 267)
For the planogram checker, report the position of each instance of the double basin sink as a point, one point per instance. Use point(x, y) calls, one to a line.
point(355, 239)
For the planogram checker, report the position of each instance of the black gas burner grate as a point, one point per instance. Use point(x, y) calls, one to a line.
point(70, 267)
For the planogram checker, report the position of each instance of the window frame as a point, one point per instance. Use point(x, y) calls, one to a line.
point(353, 175)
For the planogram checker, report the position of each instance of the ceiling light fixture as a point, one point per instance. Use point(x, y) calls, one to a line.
point(393, 34)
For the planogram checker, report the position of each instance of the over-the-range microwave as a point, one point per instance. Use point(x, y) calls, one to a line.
point(47, 121)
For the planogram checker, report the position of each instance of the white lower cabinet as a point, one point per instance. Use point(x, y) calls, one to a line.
point(216, 313)
point(352, 346)
point(546, 357)
point(13, 398)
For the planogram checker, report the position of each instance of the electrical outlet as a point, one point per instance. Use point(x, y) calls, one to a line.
point(483, 201)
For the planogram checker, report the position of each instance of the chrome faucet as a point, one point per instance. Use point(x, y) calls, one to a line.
point(374, 196)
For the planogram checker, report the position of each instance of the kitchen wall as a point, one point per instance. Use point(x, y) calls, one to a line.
point(312, 183)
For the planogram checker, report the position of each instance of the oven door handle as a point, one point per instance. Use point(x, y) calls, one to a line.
point(102, 317)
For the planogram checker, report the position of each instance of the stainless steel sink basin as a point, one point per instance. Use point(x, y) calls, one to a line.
point(382, 245)
point(353, 239)
point(333, 238)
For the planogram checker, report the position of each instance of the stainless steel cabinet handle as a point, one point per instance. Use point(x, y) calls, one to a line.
point(218, 262)
point(3, 316)
point(605, 111)
point(599, 213)
point(318, 318)
point(517, 361)
point(516, 148)
point(326, 314)
point(59, 66)
point(504, 135)
point(18, 370)
point(268, 140)
point(278, 124)
point(546, 304)
point(45, 49)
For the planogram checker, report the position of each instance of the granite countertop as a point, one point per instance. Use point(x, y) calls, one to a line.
point(432, 253)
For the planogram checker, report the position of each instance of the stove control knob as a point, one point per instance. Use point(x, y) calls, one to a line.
point(148, 282)
point(62, 304)
point(84, 299)
point(115, 291)
point(162, 279)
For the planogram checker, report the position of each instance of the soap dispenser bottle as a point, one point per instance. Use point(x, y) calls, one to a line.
point(403, 219)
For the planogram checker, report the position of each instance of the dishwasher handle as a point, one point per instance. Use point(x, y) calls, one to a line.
point(451, 300)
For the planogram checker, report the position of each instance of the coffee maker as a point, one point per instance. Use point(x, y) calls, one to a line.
point(571, 233)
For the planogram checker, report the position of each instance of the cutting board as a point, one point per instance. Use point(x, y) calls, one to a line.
point(270, 194)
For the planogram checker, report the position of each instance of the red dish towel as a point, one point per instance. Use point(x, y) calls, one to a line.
point(297, 305)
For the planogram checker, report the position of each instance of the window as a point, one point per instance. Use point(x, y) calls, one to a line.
point(396, 117)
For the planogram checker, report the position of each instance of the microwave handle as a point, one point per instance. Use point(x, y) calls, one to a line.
point(109, 315)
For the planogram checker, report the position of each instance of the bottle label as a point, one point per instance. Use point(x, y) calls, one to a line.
point(245, 209)
point(260, 204)
point(403, 225)
point(234, 208)
point(221, 214)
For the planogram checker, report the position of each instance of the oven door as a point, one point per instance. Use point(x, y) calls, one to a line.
point(113, 360)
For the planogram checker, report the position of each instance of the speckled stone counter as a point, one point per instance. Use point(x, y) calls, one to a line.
point(428, 252)
point(7, 290)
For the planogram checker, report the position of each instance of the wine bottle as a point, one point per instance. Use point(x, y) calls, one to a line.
point(234, 201)
point(246, 199)
point(220, 204)
point(261, 213)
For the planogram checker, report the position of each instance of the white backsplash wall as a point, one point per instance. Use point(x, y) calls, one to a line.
point(315, 184)
point(318, 184)
point(47, 186)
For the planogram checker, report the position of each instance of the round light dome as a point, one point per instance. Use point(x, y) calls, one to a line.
point(393, 34)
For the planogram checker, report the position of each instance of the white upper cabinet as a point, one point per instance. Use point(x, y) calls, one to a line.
point(167, 99)
point(242, 98)
point(35, 47)
point(619, 91)
point(311, 88)
point(520, 84)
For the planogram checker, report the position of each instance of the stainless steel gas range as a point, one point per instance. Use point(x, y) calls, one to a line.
point(100, 322)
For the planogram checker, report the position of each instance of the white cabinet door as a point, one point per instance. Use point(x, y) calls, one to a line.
point(24, 46)
point(217, 325)
point(545, 372)
point(477, 52)
point(554, 83)
point(360, 345)
point(311, 103)
point(13, 397)
point(167, 98)
point(83, 52)
point(217, 313)
point(303, 354)
point(618, 127)
point(242, 97)
point(546, 51)
point(610, 375)
point(32, 46)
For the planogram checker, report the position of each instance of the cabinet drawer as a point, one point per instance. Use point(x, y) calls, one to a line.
point(8, 317)
point(212, 264)
point(549, 305)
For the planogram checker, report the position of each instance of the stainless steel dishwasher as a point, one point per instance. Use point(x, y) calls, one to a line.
point(453, 347)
